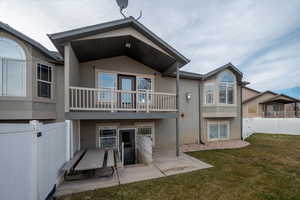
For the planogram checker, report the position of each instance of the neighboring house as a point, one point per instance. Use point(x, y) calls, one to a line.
point(269, 104)
point(119, 80)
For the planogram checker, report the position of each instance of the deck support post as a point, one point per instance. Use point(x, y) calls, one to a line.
point(178, 110)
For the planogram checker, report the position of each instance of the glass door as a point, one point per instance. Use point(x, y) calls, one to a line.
point(127, 87)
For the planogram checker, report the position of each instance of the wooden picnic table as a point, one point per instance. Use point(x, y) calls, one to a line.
point(93, 159)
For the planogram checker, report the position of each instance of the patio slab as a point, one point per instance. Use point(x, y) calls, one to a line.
point(165, 164)
point(138, 173)
point(169, 164)
point(86, 185)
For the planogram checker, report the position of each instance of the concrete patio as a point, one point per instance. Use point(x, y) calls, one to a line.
point(165, 164)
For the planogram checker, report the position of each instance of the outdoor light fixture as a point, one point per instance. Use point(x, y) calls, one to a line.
point(188, 96)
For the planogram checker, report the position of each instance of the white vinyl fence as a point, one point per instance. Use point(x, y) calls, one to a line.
point(271, 125)
point(31, 156)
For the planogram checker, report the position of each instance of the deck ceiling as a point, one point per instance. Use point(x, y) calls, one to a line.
point(100, 48)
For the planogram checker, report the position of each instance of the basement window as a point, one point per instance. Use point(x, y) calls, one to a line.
point(218, 130)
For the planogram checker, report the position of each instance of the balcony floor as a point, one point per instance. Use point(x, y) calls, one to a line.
point(119, 115)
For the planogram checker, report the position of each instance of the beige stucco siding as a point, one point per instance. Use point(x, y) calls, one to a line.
point(120, 64)
point(247, 94)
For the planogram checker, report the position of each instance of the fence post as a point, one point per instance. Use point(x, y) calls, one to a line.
point(68, 140)
point(34, 167)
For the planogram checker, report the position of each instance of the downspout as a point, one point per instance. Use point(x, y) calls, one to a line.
point(241, 99)
point(200, 112)
point(178, 110)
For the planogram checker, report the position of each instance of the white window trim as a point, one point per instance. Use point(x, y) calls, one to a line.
point(24, 88)
point(205, 93)
point(218, 124)
point(227, 84)
point(39, 80)
point(97, 71)
point(99, 128)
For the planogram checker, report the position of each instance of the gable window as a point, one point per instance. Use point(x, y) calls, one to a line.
point(44, 81)
point(218, 130)
point(12, 68)
point(209, 93)
point(226, 88)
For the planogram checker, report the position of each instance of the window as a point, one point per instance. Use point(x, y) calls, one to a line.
point(226, 88)
point(44, 80)
point(218, 130)
point(108, 138)
point(106, 81)
point(209, 93)
point(143, 85)
point(146, 131)
point(12, 68)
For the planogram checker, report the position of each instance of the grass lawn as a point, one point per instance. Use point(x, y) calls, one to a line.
point(267, 169)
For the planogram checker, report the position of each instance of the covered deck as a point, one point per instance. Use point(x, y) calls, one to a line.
point(281, 106)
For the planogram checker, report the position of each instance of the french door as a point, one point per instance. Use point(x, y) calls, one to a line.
point(127, 88)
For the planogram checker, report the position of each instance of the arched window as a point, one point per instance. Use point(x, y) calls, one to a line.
point(226, 87)
point(12, 68)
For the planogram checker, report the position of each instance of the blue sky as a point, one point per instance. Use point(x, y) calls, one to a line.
point(262, 38)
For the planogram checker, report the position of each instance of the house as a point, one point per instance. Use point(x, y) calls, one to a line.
point(116, 81)
point(31, 78)
point(269, 104)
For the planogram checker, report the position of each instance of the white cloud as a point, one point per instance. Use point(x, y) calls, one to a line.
point(210, 33)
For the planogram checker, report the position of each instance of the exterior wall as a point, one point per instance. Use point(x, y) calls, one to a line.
point(116, 64)
point(190, 121)
point(247, 94)
point(217, 109)
point(71, 72)
point(29, 107)
point(254, 104)
point(221, 112)
point(89, 137)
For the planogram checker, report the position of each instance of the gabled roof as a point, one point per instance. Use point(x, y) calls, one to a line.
point(252, 89)
point(227, 66)
point(259, 95)
point(62, 37)
point(281, 97)
point(32, 42)
point(197, 76)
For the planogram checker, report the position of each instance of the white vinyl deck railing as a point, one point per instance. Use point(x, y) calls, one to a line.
point(95, 99)
point(281, 114)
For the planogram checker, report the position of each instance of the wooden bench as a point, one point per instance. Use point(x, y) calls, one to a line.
point(69, 166)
